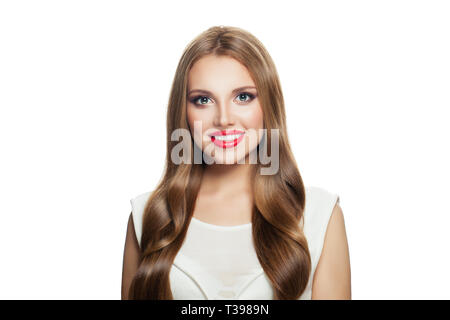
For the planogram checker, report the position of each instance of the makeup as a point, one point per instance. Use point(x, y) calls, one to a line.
point(227, 138)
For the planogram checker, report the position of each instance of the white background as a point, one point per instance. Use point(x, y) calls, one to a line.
point(84, 87)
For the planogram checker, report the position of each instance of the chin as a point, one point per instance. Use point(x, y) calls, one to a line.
point(227, 158)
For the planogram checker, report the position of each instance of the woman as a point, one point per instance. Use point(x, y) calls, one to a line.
point(218, 226)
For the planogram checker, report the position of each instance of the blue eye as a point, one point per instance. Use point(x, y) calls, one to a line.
point(242, 97)
point(203, 100)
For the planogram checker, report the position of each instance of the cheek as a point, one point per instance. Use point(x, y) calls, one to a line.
point(202, 117)
point(254, 118)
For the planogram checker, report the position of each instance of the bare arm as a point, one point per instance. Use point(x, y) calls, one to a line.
point(131, 258)
point(332, 278)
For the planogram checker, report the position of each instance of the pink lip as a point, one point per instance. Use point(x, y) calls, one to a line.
point(225, 132)
point(227, 144)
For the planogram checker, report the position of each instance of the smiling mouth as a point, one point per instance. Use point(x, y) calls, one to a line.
point(227, 139)
point(230, 137)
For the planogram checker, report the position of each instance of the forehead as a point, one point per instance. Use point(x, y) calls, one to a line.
point(218, 72)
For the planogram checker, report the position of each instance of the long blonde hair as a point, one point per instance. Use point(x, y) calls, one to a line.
point(279, 199)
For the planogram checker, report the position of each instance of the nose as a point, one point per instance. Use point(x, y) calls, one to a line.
point(223, 117)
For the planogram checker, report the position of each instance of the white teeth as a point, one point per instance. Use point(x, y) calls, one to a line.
point(229, 137)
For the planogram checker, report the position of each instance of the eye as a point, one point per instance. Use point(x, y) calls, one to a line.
point(242, 98)
point(200, 100)
point(245, 97)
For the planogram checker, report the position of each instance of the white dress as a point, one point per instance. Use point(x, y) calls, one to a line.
point(220, 262)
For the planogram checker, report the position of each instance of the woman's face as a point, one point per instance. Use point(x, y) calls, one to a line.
point(223, 99)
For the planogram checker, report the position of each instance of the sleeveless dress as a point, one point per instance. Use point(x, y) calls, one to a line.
point(220, 262)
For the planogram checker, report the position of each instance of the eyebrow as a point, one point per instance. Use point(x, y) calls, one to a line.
point(210, 93)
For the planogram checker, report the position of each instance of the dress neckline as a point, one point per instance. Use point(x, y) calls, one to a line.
point(219, 227)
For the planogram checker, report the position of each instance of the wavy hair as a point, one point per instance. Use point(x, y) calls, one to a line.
point(279, 199)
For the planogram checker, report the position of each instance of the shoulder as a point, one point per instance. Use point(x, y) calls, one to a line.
point(320, 204)
point(332, 275)
point(138, 204)
point(317, 196)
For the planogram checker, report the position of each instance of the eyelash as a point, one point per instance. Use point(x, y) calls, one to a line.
point(251, 97)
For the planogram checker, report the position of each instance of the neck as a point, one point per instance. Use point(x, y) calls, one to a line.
point(227, 178)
